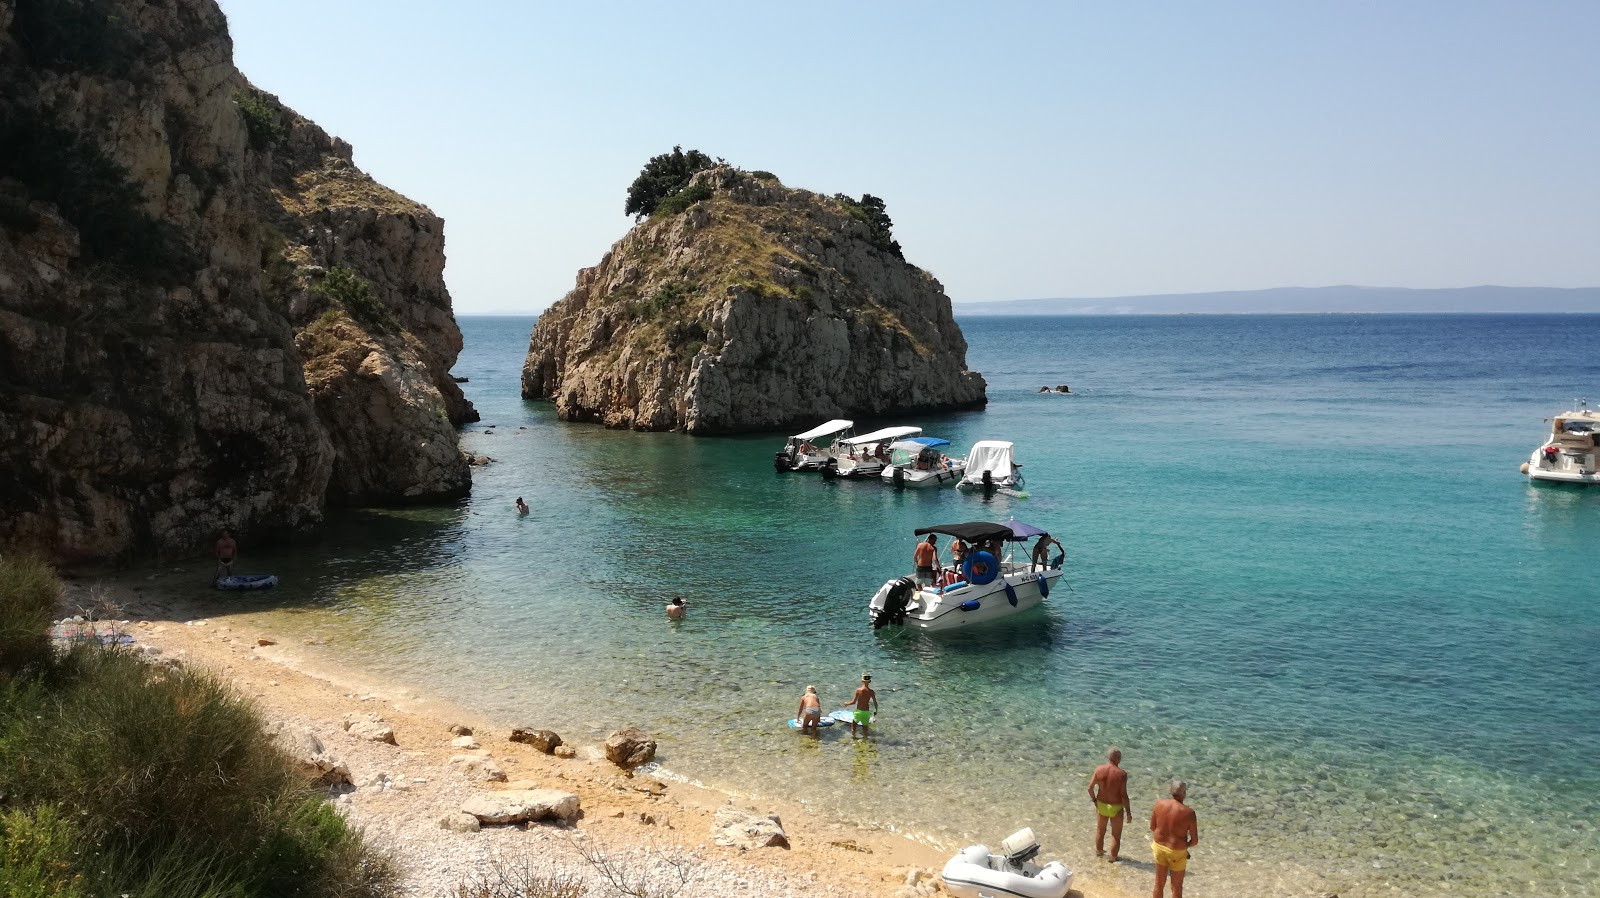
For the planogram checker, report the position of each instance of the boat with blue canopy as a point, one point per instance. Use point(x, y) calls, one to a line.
point(988, 584)
point(921, 462)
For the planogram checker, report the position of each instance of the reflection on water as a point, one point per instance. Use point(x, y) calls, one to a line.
point(1354, 658)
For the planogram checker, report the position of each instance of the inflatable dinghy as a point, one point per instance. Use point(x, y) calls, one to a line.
point(248, 581)
point(976, 872)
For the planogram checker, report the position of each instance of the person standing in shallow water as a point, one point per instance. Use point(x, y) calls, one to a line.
point(866, 702)
point(1108, 789)
point(1173, 831)
point(522, 507)
point(227, 550)
point(810, 714)
point(676, 608)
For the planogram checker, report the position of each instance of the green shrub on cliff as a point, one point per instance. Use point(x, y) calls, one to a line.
point(663, 176)
point(871, 211)
point(261, 118)
point(124, 778)
point(354, 294)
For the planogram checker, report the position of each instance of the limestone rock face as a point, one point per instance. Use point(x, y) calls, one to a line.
point(176, 355)
point(758, 307)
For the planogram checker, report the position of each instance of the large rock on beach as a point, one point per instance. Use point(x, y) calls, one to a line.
point(370, 727)
point(630, 747)
point(544, 740)
point(758, 306)
point(311, 757)
point(522, 806)
point(479, 767)
point(743, 829)
point(228, 325)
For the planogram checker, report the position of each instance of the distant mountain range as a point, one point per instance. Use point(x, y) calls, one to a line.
point(1282, 300)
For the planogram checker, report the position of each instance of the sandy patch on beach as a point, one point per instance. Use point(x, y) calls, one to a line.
point(648, 828)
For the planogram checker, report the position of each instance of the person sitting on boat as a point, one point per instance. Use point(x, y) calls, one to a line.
point(807, 449)
point(958, 553)
point(810, 715)
point(1041, 552)
point(944, 461)
point(926, 558)
point(676, 609)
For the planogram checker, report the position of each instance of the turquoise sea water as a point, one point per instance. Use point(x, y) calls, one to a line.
point(1305, 576)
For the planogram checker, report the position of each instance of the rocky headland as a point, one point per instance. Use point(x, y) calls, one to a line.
point(745, 306)
point(209, 316)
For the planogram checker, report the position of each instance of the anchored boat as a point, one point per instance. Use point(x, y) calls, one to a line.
point(921, 461)
point(805, 452)
point(864, 456)
point(1571, 452)
point(989, 584)
point(991, 465)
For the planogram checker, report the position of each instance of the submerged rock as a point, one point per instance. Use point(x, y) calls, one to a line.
point(756, 307)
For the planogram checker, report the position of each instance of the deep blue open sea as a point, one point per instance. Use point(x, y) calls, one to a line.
point(1305, 574)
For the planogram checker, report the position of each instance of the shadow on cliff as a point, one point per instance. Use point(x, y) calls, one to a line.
point(352, 561)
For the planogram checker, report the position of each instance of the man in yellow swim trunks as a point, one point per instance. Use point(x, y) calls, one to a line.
point(1173, 831)
point(1108, 789)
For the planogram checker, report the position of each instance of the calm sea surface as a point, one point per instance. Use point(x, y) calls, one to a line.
point(1306, 576)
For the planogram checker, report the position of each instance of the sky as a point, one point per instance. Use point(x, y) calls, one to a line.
point(1024, 150)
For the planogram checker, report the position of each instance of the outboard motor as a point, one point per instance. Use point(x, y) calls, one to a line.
point(1019, 848)
point(899, 477)
point(889, 604)
point(782, 460)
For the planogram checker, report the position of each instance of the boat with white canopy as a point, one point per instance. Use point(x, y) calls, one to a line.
point(988, 584)
point(1572, 453)
point(992, 464)
point(807, 451)
point(866, 455)
point(920, 462)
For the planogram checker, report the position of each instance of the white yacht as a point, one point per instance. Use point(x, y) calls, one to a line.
point(989, 584)
point(992, 464)
point(920, 462)
point(806, 451)
point(865, 455)
point(1572, 453)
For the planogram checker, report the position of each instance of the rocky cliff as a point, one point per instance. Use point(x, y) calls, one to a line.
point(209, 316)
point(756, 307)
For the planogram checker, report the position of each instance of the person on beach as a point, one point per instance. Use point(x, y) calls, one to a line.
point(1041, 552)
point(926, 558)
point(866, 702)
point(1173, 831)
point(1108, 789)
point(227, 550)
point(676, 608)
point(522, 507)
point(810, 715)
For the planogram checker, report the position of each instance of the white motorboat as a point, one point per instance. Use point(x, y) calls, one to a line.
point(990, 583)
point(1572, 451)
point(807, 452)
point(920, 462)
point(992, 465)
point(975, 873)
point(865, 455)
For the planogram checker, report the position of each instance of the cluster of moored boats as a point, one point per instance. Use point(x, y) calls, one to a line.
point(901, 456)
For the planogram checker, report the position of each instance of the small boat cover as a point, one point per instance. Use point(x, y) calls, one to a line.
point(993, 456)
point(878, 436)
point(973, 531)
point(822, 430)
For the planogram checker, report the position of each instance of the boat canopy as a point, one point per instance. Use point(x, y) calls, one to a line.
point(823, 430)
point(972, 532)
point(993, 456)
point(879, 436)
point(918, 444)
point(1023, 531)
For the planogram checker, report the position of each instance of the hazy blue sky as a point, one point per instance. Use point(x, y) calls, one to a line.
point(1024, 150)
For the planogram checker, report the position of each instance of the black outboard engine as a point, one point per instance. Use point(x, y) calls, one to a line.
point(889, 605)
point(782, 460)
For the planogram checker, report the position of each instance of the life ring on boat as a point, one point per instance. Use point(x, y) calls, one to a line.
point(980, 568)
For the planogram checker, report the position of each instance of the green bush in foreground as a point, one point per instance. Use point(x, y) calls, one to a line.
point(120, 777)
point(29, 591)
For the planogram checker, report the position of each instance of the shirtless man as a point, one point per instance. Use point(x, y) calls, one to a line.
point(1041, 552)
point(810, 715)
point(1108, 789)
point(866, 702)
point(227, 550)
point(676, 608)
point(926, 558)
point(522, 507)
point(1173, 831)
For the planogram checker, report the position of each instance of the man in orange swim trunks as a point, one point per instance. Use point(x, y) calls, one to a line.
point(1173, 831)
point(1108, 789)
